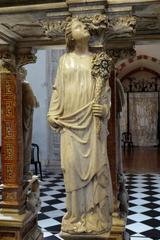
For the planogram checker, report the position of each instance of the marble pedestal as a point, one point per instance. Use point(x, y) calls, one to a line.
point(16, 226)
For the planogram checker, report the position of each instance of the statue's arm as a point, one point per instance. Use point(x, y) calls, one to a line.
point(56, 103)
point(103, 108)
point(55, 109)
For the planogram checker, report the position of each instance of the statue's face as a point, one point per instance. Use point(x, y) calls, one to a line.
point(79, 31)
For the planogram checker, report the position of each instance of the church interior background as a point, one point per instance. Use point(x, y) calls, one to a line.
point(140, 76)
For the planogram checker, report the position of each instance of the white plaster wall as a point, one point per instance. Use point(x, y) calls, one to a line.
point(37, 78)
point(152, 50)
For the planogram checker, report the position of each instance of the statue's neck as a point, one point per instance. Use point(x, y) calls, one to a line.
point(81, 48)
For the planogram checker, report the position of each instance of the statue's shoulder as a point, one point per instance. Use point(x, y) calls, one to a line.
point(65, 58)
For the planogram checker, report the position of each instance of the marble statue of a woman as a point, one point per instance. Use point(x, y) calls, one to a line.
point(83, 154)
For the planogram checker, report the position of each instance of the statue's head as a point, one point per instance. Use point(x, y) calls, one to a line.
point(75, 31)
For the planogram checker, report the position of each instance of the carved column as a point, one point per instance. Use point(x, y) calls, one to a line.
point(115, 154)
point(119, 45)
point(12, 196)
point(16, 221)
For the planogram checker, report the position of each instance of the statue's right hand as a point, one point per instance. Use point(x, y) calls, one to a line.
point(53, 123)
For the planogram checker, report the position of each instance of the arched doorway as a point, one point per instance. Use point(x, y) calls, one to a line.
point(140, 117)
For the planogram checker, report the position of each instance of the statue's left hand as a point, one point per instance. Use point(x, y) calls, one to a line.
point(99, 110)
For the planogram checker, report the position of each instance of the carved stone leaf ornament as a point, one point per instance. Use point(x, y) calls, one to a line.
point(53, 27)
point(95, 23)
point(121, 27)
point(25, 57)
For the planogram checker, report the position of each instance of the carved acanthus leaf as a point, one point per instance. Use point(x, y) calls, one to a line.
point(25, 56)
point(53, 27)
point(96, 23)
point(121, 27)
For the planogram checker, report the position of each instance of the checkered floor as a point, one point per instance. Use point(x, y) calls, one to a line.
point(144, 206)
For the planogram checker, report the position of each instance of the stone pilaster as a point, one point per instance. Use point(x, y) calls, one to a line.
point(118, 179)
point(17, 221)
point(12, 196)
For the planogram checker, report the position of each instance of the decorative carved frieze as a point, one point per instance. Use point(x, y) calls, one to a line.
point(99, 26)
point(121, 27)
point(53, 27)
point(96, 24)
point(148, 24)
point(132, 84)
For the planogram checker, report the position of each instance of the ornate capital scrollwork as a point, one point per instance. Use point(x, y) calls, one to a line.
point(25, 56)
point(118, 54)
point(121, 27)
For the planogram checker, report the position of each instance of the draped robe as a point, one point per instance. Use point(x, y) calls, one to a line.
point(84, 158)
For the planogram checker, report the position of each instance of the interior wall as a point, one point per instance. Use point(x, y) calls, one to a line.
point(36, 76)
point(52, 57)
point(152, 50)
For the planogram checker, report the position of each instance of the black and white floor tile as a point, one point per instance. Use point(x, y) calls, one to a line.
point(144, 206)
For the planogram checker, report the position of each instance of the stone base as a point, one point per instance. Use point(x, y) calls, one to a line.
point(16, 226)
point(67, 236)
point(118, 228)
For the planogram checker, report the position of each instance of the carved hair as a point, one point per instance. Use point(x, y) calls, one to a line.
point(70, 42)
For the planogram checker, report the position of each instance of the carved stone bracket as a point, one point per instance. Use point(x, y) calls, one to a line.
point(25, 56)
